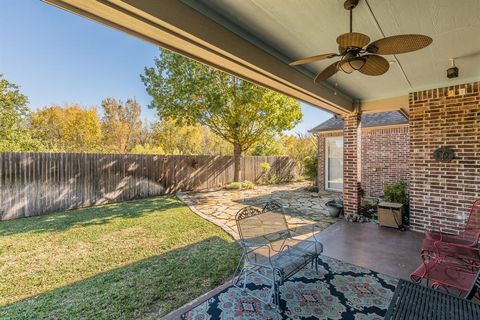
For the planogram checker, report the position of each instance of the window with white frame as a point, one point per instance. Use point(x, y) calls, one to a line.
point(334, 163)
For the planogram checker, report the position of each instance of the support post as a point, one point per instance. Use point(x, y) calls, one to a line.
point(351, 177)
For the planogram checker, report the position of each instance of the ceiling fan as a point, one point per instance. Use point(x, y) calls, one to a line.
point(354, 57)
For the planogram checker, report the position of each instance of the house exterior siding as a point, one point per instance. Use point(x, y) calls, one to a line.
point(441, 193)
point(384, 157)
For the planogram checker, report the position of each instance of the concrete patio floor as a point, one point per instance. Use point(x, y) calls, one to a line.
point(302, 207)
point(385, 250)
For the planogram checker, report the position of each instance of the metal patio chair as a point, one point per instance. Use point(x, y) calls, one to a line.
point(468, 238)
point(445, 272)
point(271, 251)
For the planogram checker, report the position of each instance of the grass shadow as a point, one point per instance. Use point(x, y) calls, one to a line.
point(148, 288)
point(84, 217)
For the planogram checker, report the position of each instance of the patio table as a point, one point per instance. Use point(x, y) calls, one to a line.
point(413, 301)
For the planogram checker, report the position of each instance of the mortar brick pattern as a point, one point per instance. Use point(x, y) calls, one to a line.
point(441, 193)
point(351, 184)
point(384, 158)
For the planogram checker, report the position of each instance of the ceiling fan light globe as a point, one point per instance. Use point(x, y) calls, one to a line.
point(346, 67)
point(353, 64)
point(357, 64)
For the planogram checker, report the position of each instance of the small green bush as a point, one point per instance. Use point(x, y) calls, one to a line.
point(248, 185)
point(270, 177)
point(240, 185)
point(312, 188)
point(233, 185)
point(369, 208)
point(299, 178)
point(266, 167)
point(310, 167)
point(274, 179)
point(397, 192)
point(265, 176)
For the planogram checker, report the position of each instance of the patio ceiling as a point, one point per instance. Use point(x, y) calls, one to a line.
point(257, 39)
point(298, 29)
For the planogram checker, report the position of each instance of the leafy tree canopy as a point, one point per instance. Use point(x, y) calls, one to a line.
point(121, 124)
point(238, 111)
point(69, 128)
point(188, 140)
point(13, 114)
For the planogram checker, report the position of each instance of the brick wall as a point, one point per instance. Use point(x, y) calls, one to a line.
point(385, 156)
point(351, 185)
point(440, 193)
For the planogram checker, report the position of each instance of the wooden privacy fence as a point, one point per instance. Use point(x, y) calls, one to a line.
point(36, 183)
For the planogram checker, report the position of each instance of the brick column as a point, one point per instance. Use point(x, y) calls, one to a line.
point(351, 177)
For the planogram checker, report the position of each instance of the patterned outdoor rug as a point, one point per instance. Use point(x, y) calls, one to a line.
point(338, 291)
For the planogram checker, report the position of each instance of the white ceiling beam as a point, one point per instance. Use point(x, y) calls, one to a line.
point(399, 103)
point(176, 26)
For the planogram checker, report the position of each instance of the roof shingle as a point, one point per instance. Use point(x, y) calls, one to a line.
point(368, 120)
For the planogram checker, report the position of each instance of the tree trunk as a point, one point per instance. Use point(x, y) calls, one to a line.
point(237, 155)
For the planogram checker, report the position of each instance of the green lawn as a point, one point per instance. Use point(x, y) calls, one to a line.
point(137, 259)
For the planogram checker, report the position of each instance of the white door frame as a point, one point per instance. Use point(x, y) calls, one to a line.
point(326, 163)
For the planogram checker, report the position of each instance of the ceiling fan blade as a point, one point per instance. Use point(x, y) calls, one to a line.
point(399, 44)
point(374, 65)
point(314, 58)
point(353, 39)
point(326, 73)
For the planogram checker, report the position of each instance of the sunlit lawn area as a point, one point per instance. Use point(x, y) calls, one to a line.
point(137, 259)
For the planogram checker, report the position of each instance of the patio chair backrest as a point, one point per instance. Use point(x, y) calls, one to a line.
point(261, 227)
point(475, 287)
point(272, 206)
point(472, 227)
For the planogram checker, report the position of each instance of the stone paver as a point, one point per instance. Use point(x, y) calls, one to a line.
point(302, 207)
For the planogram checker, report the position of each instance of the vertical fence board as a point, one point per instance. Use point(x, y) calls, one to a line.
point(38, 183)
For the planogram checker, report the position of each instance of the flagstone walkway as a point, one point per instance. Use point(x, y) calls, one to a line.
point(302, 207)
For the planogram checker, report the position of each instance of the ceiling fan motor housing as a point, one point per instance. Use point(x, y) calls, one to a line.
point(350, 4)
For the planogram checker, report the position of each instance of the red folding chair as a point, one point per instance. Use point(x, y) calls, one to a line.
point(445, 272)
point(467, 239)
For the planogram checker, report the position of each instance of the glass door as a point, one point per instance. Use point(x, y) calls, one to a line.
point(334, 163)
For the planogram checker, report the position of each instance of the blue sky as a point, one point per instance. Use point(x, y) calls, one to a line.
point(57, 57)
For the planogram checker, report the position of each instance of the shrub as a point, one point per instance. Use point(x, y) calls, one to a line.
point(233, 185)
point(266, 173)
point(248, 185)
point(240, 185)
point(266, 167)
point(368, 208)
point(397, 192)
point(312, 188)
point(310, 167)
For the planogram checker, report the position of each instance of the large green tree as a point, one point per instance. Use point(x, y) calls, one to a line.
point(14, 136)
point(238, 111)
